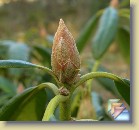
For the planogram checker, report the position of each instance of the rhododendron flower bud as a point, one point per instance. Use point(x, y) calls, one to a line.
point(65, 58)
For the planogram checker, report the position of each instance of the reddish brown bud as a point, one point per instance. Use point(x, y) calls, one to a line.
point(114, 3)
point(65, 58)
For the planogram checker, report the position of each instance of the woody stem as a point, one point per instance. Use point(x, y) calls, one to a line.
point(65, 107)
point(65, 110)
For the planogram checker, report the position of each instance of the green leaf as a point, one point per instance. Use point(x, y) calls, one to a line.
point(24, 64)
point(123, 40)
point(29, 106)
point(7, 86)
point(4, 98)
point(18, 51)
point(124, 90)
point(7, 43)
point(127, 81)
point(87, 31)
point(16, 64)
point(4, 46)
point(106, 32)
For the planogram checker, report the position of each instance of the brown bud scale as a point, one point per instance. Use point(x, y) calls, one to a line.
point(65, 58)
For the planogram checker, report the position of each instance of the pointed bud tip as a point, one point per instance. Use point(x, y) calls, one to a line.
point(61, 23)
point(114, 3)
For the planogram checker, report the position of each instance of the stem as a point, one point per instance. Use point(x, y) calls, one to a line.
point(91, 75)
point(96, 65)
point(51, 73)
point(65, 110)
point(52, 106)
point(50, 86)
point(94, 69)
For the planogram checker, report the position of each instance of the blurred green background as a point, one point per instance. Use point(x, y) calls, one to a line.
point(27, 28)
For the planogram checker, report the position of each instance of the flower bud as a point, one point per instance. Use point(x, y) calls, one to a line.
point(114, 3)
point(65, 58)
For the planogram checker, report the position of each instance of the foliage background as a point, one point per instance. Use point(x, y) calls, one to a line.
point(34, 23)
